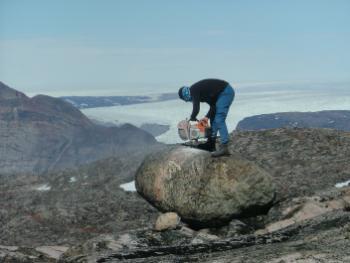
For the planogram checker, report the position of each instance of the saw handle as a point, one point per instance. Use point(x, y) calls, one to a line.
point(203, 124)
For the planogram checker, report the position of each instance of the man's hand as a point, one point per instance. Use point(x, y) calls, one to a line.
point(204, 121)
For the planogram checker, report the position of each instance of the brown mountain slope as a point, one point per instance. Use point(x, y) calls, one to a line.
point(43, 133)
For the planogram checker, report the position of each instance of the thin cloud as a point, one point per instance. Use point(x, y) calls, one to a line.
point(216, 32)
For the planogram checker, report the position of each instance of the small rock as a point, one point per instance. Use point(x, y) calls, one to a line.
point(207, 235)
point(167, 221)
point(234, 228)
point(9, 248)
point(204, 236)
point(187, 231)
point(261, 232)
point(52, 251)
point(347, 231)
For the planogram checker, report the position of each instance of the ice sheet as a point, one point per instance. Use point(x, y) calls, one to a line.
point(247, 102)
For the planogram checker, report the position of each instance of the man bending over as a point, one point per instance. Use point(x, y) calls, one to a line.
point(219, 95)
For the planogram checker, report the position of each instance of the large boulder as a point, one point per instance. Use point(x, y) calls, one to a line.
point(204, 191)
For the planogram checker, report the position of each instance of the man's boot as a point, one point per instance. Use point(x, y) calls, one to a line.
point(223, 151)
point(209, 145)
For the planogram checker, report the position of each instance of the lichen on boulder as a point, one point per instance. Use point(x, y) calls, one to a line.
point(202, 190)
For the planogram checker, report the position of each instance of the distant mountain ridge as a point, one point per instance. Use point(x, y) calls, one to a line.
point(84, 102)
point(332, 119)
point(43, 133)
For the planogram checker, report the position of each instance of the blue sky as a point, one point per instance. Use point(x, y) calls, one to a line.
point(148, 46)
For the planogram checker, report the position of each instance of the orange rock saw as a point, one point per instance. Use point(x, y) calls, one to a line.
point(193, 131)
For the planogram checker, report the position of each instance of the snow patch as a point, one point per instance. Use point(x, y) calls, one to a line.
point(129, 187)
point(72, 179)
point(44, 187)
point(52, 251)
point(343, 184)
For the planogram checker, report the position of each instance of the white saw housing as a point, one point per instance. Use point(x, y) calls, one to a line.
point(193, 130)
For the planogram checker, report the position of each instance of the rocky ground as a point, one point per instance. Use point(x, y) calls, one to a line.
point(301, 161)
point(67, 207)
point(324, 239)
point(90, 219)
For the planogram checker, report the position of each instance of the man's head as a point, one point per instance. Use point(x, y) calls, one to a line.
point(185, 94)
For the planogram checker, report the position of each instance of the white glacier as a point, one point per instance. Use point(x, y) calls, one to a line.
point(247, 102)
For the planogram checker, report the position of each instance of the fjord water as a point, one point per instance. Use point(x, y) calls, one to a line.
point(249, 100)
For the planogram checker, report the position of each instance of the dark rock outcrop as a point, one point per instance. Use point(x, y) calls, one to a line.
point(336, 119)
point(202, 190)
point(42, 134)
